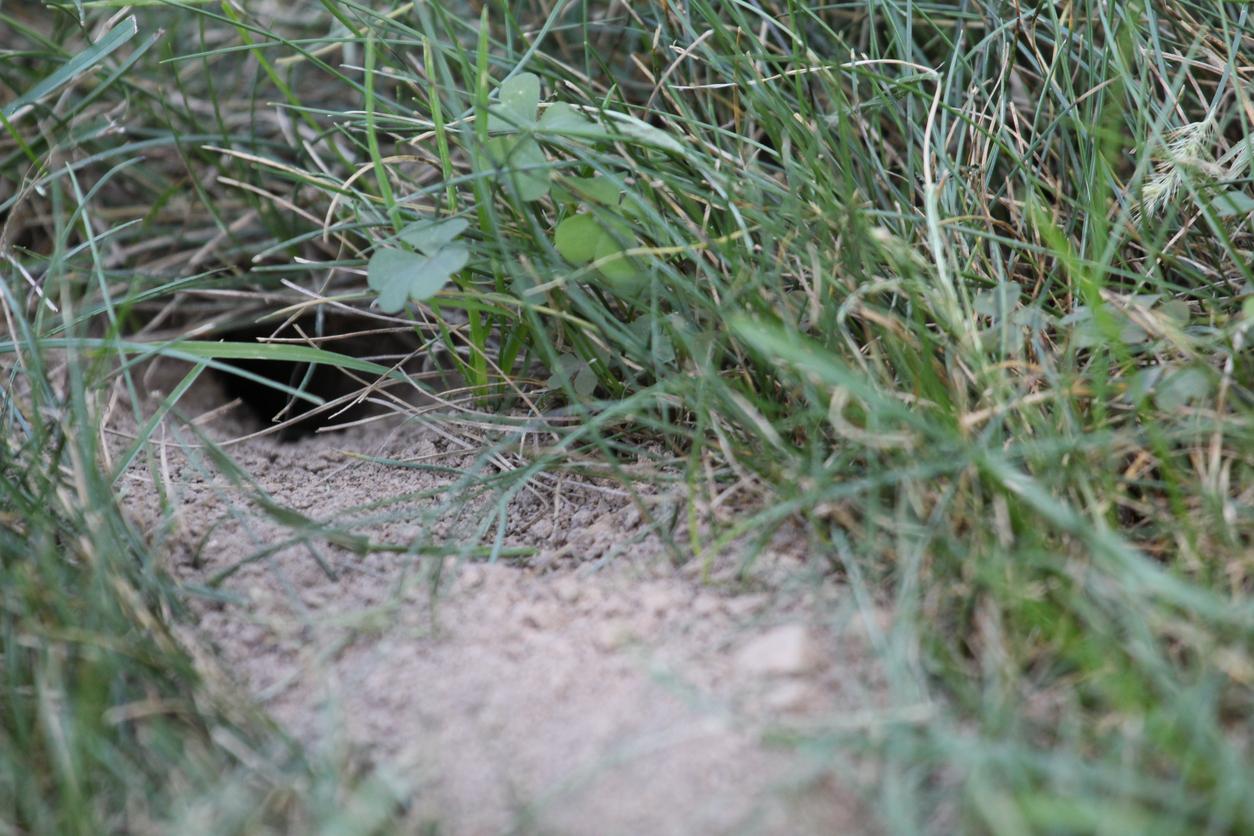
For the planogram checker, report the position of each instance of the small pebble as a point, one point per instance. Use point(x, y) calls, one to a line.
point(789, 695)
point(785, 650)
point(566, 589)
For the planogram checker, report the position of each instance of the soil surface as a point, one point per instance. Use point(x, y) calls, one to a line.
point(586, 681)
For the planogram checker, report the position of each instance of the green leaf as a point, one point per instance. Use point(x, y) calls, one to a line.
point(582, 378)
point(397, 275)
point(1031, 317)
point(520, 95)
point(1143, 383)
point(660, 343)
point(531, 168)
point(584, 238)
point(1087, 334)
point(1132, 334)
point(664, 349)
point(519, 100)
point(585, 382)
point(428, 236)
point(1229, 203)
point(563, 195)
point(525, 161)
point(602, 190)
point(1080, 314)
point(438, 271)
point(998, 302)
point(577, 237)
point(561, 118)
point(1182, 387)
point(622, 274)
point(388, 273)
point(1176, 310)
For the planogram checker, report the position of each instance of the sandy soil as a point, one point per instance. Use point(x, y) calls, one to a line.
point(592, 686)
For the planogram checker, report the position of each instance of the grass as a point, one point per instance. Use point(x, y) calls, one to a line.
point(968, 292)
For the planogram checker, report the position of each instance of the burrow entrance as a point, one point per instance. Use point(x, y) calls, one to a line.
point(347, 396)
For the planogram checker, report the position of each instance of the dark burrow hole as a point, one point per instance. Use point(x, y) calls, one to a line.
point(358, 337)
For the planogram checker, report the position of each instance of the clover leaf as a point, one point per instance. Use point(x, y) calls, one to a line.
point(397, 275)
point(1229, 203)
point(1171, 387)
point(574, 190)
point(586, 237)
point(621, 272)
point(999, 302)
point(651, 333)
point(525, 159)
point(513, 120)
point(429, 236)
point(561, 118)
point(577, 237)
point(518, 100)
point(569, 367)
point(1181, 388)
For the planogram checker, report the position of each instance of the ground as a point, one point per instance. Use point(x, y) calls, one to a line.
point(559, 691)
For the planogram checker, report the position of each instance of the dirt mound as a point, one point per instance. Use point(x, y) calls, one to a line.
point(584, 683)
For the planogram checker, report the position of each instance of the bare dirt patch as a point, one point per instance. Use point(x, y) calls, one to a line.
point(590, 685)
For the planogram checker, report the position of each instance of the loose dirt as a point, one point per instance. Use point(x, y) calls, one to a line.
point(586, 683)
